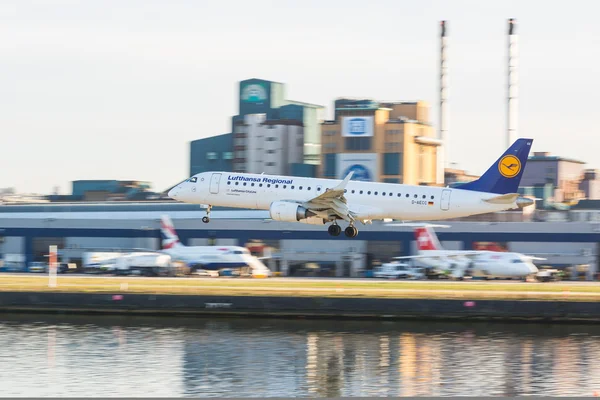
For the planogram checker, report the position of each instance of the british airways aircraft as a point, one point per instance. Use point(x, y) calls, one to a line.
point(322, 201)
point(208, 257)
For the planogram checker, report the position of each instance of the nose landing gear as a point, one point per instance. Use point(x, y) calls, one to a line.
point(206, 219)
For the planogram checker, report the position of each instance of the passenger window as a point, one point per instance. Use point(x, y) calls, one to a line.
point(424, 196)
point(244, 183)
point(376, 193)
point(292, 187)
point(345, 190)
point(391, 194)
point(399, 194)
point(416, 196)
point(237, 183)
point(268, 185)
point(299, 187)
point(369, 192)
point(318, 189)
point(284, 186)
point(432, 197)
point(260, 185)
point(352, 191)
point(361, 192)
point(308, 188)
point(252, 184)
point(383, 194)
point(228, 182)
point(407, 195)
point(277, 186)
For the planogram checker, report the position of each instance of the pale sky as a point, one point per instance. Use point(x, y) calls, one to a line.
point(117, 89)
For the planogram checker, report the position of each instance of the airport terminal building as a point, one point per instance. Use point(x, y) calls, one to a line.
point(79, 227)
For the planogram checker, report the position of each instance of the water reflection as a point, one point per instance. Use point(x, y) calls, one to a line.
point(99, 356)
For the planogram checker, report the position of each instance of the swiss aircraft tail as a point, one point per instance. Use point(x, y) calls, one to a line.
point(505, 174)
point(170, 238)
point(427, 239)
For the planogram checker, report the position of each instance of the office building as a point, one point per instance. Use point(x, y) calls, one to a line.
point(267, 146)
point(380, 141)
point(266, 99)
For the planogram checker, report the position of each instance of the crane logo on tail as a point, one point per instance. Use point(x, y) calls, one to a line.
point(509, 166)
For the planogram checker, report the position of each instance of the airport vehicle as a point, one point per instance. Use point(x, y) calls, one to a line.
point(100, 261)
point(398, 270)
point(322, 201)
point(208, 257)
point(476, 263)
point(38, 266)
point(13, 262)
point(548, 275)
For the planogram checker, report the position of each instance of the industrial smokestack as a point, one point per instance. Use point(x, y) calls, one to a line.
point(443, 100)
point(513, 83)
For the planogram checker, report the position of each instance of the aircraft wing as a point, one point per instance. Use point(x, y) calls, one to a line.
point(332, 201)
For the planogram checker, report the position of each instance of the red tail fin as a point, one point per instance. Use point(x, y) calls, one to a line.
point(427, 239)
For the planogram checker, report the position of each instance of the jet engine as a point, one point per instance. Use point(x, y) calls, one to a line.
point(292, 212)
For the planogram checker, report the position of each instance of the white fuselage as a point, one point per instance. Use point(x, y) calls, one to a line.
point(214, 257)
point(367, 200)
point(489, 264)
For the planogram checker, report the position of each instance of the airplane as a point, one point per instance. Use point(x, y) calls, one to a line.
point(481, 263)
point(207, 257)
point(321, 201)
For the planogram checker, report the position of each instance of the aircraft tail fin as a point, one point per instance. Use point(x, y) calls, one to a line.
point(170, 238)
point(505, 174)
point(427, 239)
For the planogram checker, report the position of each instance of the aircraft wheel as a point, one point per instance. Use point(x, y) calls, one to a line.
point(351, 231)
point(206, 220)
point(334, 230)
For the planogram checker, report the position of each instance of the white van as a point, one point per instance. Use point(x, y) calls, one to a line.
point(398, 270)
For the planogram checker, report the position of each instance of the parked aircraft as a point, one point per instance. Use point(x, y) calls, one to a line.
point(207, 257)
point(484, 263)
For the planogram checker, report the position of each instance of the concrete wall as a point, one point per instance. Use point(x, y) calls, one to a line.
point(320, 250)
point(558, 253)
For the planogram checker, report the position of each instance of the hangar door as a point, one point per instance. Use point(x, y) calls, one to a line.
point(41, 247)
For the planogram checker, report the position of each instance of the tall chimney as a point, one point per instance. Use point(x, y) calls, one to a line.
point(513, 83)
point(443, 128)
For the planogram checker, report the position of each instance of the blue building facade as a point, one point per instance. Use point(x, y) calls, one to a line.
point(259, 96)
point(211, 154)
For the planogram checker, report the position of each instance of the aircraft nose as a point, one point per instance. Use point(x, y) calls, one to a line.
point(173, 193)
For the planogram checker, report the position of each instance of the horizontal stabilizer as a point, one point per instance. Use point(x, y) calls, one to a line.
point(508, 198)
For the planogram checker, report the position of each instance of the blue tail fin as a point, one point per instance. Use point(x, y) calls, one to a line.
point(505, 174)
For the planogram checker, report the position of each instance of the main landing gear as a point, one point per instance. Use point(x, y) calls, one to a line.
point(335, 230)
point(206, 219)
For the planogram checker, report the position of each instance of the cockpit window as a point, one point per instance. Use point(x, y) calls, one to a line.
point(193, 179)
point(515, 261)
